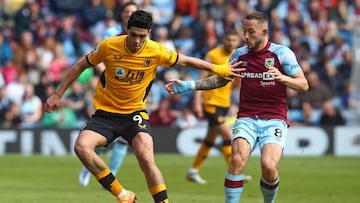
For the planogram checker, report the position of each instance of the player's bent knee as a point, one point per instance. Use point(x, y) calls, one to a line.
point(269, 167)
point(82, 150)
point(237, 164)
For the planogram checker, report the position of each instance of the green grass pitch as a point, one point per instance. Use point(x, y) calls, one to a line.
point(44, 179)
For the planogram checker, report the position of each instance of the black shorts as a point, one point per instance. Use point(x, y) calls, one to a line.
point(113, 125)
point(216, 116)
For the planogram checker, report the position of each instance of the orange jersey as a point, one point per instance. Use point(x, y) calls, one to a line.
point(125, 84)
point(220, 96)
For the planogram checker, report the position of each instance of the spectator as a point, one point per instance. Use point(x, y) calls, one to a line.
point(11, 117)
point(75, 101)
point(185, 44)
point(318, 92)
point(340, 14)
point(118, 7)
point(4, 12)
point(9, 72)
point(147, 5)
point(40, 88)
point(5, 51)
point(350, 99)
point(64, 117)
point(27, 50)
point(46, 53)
point(185, 14)
point(332, 79)
point(30, 108)
point(217, 11)
point(120, 28)
point(345, 69)
point(295, 108)
point(231, 20)
point(58, 64)
point(27, 17)
point(15, 89)
point(65, 7)
point(25, 56)
point(68, 35)
point(354, 9)
point(167, 12)
point(285, 7)
point(277, 36)
point(199, 27)
point(93, 12)
point(331, 31)
point(331, 116)
point(89, 93)
point(265, 6)
point(4, 102)
point(310, 41)
point(162, 36)
point(335, 51)
point(163, 116)
point(313, 99)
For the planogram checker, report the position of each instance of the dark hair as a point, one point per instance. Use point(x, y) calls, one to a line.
point(257, 15)
point(140, 19)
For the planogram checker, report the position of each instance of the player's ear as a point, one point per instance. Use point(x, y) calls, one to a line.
point(265, 31)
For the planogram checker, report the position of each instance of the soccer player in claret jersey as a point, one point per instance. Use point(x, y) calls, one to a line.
point(268, 69)
point(120, 147)
point(120, 101)
point(214, 105)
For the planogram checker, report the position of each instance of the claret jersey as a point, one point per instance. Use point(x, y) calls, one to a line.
point(261, 96)
point(124, 85)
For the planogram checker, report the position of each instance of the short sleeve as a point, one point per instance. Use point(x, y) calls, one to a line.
point(288, 61)
point(168, 57)
point(97, 54)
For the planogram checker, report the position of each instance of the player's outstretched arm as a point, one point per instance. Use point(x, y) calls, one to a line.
point(53, 102)
point(175, 86)
point(224, 70)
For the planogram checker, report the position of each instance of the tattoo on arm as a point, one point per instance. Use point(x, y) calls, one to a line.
point(210, 83)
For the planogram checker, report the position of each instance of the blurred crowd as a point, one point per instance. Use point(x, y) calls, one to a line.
point(41, 39)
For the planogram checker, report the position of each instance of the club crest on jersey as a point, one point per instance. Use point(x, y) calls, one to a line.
point(147, 62)
point(269, 62)
point(117, 57)
point(119, 72)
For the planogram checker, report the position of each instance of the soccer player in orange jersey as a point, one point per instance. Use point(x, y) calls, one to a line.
point(120, 101)
point(214, 105)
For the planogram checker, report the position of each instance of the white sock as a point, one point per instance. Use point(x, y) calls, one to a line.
point(122, 193)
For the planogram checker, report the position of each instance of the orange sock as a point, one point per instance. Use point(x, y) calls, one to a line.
point(226, 149)
point(109, 182)
point(159, 193)
point(201, 155)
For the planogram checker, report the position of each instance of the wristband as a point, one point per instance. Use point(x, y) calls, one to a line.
point(183, 86)
point(222, 70)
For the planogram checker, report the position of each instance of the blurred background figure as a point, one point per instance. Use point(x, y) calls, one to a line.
point(31, 108)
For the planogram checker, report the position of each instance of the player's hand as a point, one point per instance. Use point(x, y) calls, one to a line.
point(236, 68)
point(230, 70)
point(275, 73)
point(175, 86)
point(52, 103)
point(198, 110)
